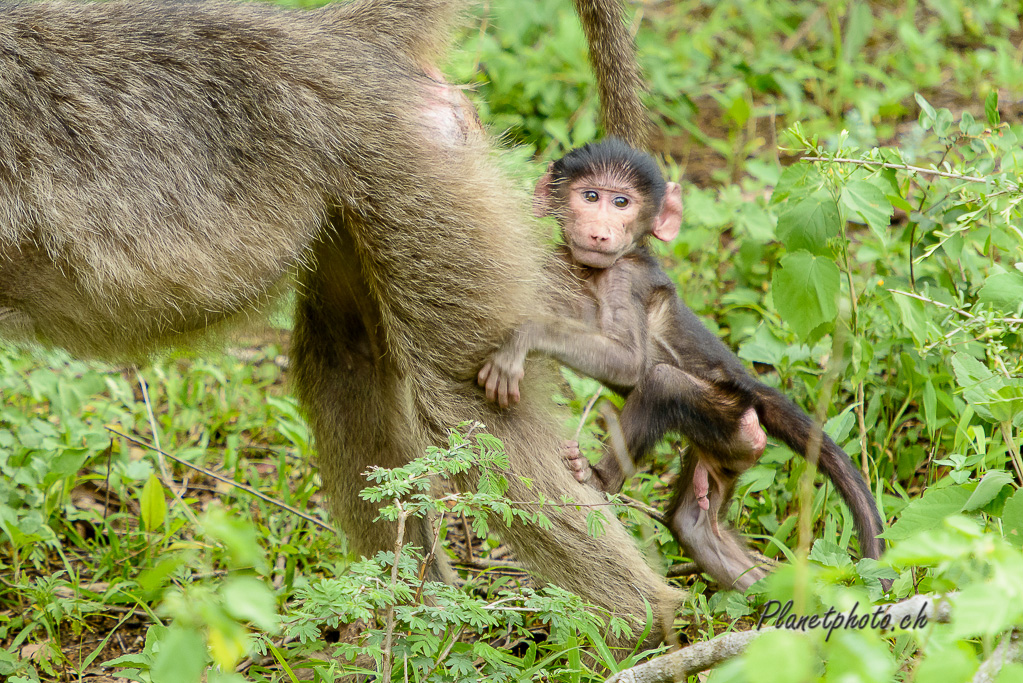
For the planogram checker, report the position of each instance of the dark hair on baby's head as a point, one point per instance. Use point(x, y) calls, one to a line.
point(612, 156)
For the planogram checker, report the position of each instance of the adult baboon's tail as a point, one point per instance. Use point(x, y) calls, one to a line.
point(619, 81)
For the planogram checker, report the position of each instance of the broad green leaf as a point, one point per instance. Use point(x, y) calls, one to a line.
point(947, 665)
point(152, 504)
point(870, 204)
point(983, 609)
point(797, 181)
point(943, 123)
point(246, 598)
point(1004, 291)
point(764, 653)
point(927, 114)
point(924, 513)
point(988, 488)
point(739, 111)
point(915, 318)
point(810, 223)
point(182, 656)
point(1012, 519)
point(805, 290)
point(858, 656)
point(994, 397)
point(758, 478)
point(238, 535)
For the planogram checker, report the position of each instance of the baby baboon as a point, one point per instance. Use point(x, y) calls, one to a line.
point(165, 168)
point(627, 328)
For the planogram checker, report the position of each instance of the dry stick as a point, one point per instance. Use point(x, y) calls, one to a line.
point(225, 480)
point(677, 571)
point(1009, 650)
point(907, 167)
point(678, 665)
point(385, 674)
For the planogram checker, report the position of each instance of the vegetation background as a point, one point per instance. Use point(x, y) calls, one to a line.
point(879, 284)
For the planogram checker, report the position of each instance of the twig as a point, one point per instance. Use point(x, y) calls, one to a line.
point(936, 608)
point(586, 411)
point(677, 571)
point(677, 666)
point(907, 167)
point(231, 482)
point(385, 674)
point(444, 654)
point(1010, 443)
point(161, 461)
point(960, 311)
point(650, 512)
point(1009, 650)
point(804, 28)
point(485, 564)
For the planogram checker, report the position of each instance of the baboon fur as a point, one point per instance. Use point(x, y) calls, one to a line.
point(168, 167)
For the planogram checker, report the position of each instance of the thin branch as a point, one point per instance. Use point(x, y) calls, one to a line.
point(1009, 650)
point(385, 654)
point(213, 475)
point(677, 571)
point(678, 665)
point(907, 167)
point(586, 411)
point(960, 311)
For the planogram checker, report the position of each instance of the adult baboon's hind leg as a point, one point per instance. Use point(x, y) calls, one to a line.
point(355, 400)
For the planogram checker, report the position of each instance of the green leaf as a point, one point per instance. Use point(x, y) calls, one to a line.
point(1004, 291)
point(805, 291)
point(930, 406)
point(797, 181)
point(739, 111)
point(927, 114)
point(994, 397)
point(764, 653)
point(947, 665)
point(152, 504)
point(249, 599)
point(966, 123)
point(924, 513)
point(869, 203)
point(182, 657)
point(858, 24)
point(991, 108)
point(987, 490)
point(983, 609)
point(810, 223)
point(1012, 519)
point(943, 123)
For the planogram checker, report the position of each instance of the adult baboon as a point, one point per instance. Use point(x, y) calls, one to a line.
point(165, 168)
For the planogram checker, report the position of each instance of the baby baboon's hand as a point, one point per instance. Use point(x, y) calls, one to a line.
point(575, 461)
point(501, 375)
